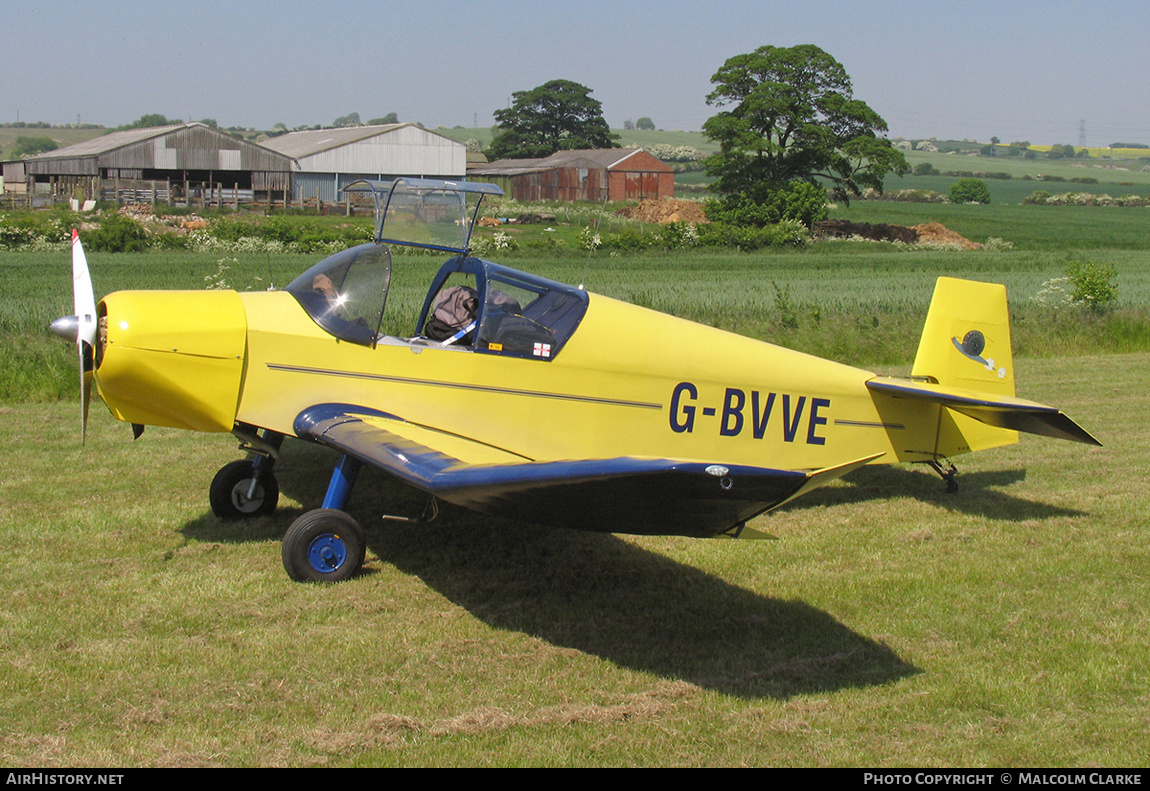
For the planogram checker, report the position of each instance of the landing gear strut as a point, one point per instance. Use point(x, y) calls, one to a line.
point(326, 544)
point(947, 473)
point(243, 489)
point(248, 487)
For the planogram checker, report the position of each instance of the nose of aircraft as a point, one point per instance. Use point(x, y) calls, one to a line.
point(161, 358)
point(172, 358)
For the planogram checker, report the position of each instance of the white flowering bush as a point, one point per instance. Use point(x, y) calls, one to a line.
point(905, 196)
point(589, 239)
point(680, 234)
point(218, 280)
point(1044, 198)
point(573, 213)
point(499, 242)
point(1055, 293)
point(670, 153)
point(205, 242)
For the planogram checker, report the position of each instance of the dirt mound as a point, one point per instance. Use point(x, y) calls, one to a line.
point(927, 233)
point(665, 211)
point(939, 233)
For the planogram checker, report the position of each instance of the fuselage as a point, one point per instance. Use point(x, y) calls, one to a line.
point(628, 382)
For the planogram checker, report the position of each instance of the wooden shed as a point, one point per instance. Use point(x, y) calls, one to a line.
point(176, 163)
point(616, 174)
point(327, 160)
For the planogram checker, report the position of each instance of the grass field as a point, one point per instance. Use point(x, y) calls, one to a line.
point(891, 624)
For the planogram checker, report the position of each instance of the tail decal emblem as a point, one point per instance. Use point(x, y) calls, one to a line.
point(971, 347)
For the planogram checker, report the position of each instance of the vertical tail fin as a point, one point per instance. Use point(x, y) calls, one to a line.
point(966, 344)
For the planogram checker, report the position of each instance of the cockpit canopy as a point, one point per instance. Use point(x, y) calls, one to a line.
point(504, 311)
point(472, 304)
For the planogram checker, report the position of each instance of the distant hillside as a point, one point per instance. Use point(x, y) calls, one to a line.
point(628, 138)
point(62, 136)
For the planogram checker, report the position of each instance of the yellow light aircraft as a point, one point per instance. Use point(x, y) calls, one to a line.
point(523, 397)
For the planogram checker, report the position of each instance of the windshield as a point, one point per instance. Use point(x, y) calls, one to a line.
point(425, 212)
point(347, 292)
point(432, 218)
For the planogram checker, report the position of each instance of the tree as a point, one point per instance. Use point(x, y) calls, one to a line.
point(645, 123)
point(792, 117)
point(969, 190)
point(25, 147)
point(557, 115)
point(390, 118)
point(151, 119)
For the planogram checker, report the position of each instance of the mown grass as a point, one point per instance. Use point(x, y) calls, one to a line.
point(890, 625)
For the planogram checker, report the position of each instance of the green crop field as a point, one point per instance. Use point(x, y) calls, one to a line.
point(891, 624)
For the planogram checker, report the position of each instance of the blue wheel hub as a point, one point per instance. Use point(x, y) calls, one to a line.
point(326, 553)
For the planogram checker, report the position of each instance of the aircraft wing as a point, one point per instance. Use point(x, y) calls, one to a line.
point(621, 495)
point(999, 411)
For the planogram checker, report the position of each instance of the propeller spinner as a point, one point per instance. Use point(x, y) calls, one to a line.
point(81, 327)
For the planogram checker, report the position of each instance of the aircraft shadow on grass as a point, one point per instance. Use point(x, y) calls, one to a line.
point(980, 493)
point(605, 596)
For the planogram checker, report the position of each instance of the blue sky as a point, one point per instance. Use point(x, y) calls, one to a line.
point(1038, 71)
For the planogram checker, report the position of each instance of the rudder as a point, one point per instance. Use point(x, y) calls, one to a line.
point(966, 344)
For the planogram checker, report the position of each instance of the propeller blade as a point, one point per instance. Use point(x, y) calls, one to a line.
point(81, 328)
point(84, 301)
point(83, 298)
point(85, 395)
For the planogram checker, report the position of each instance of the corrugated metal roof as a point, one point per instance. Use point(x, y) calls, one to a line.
point(190, 146)
point(605, 158)
point(595, 158)
point(110, 142)
point(315, 141)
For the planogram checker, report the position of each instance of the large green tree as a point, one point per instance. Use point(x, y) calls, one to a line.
point(790, 116)
point(149, 120)
point(557, 115)
point(25, 147)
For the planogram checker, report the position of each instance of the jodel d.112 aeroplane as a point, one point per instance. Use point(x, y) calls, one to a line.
point(523, 397)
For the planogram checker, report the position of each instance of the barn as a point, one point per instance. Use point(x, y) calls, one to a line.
point(177, 163)
point(327, 160)
point(615, 174)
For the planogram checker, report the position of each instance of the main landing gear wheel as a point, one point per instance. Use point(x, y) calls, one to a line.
point(233, 497)
point(324, 545)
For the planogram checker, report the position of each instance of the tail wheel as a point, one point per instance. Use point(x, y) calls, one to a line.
point(233, 495)
point(324, 545)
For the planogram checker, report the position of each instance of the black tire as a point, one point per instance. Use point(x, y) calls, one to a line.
point(229, 492)
point(324, 545)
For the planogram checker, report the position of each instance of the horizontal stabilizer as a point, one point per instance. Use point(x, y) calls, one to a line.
point(994, 410)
